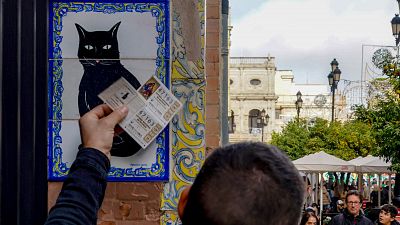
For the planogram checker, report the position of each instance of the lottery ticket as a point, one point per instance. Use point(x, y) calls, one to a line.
point(151, 107)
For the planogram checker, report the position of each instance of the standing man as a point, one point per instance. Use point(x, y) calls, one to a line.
point(352, 215)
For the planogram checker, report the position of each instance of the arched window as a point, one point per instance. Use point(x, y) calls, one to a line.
point(231, 122)
point(253, 114)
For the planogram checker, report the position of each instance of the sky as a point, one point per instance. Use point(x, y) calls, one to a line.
point(305, 35)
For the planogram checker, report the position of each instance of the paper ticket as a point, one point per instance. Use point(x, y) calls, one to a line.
point(151, 107)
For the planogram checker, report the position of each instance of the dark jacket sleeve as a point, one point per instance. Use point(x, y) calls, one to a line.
point(83, 190)
point(335, 220)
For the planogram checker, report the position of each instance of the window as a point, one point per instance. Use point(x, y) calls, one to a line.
point(253, 126)
point(278, 113)
point(255, 82)
point(231, 123)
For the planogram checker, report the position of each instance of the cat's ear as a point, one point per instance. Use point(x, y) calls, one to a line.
point(114, 29)
point(81, 31)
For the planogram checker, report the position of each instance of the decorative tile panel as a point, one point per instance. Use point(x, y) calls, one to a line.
point(188, 130)
point(142, 29)
point(188, 127)
point(181, 66)
point(170, 218)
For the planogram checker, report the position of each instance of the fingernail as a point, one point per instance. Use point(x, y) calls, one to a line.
point(124, 109)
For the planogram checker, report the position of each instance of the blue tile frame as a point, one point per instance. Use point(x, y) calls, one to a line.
point(57, 169)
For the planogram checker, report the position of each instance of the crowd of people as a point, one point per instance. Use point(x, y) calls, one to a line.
point(352, 214)
point(343, 204)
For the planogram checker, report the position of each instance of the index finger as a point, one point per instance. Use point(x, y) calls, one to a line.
point(100, 111)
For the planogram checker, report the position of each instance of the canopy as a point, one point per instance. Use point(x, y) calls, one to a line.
point(372, 164)
point(358, 161)
point(323, 162)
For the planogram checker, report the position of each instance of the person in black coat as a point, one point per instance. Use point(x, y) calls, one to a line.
point(352, 215)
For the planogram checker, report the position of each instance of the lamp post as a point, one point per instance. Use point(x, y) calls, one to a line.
point(299, 104)
point(262, 121)
point(334, 78)
point(396, 33)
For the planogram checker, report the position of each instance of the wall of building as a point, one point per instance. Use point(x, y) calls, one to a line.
point(251, 87)
point(287, 89)
point(276, 93)
point(193, 57)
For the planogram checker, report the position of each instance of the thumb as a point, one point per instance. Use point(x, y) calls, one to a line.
point(116, 116)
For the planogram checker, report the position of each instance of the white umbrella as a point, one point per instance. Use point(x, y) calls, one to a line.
point(323, 162)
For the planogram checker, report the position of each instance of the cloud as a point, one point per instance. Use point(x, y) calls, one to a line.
point(305, 35)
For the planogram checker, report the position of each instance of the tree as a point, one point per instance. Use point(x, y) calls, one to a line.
point(346, 140)
point(384, 118)
point(382, 113)
point(292, 139)
point(383, 59)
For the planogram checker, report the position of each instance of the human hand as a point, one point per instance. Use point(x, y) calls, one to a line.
point(97, 127)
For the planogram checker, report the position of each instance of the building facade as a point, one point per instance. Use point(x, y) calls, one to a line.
point(252, 89)
point(257, 86)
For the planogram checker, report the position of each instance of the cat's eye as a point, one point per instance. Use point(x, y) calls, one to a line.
point(106, 46)
point(88, 47)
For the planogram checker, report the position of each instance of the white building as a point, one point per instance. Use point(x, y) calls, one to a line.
point(257, 85)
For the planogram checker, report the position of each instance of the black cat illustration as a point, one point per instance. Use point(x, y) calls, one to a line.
point(98, 53)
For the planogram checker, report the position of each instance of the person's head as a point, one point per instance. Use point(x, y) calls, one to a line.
point(309, 218)
point(246, 183)
point(310, 209)
point(353, 202)
point(387, 214)
point(339, 205)
point(315, 207)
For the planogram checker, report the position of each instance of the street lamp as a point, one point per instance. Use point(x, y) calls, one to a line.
point(396, 27)
point(262, 121)
point(299, 104)
point(298, 95)
point(334, 78)
point(396, 32)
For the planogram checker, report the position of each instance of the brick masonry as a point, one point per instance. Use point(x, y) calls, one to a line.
point(213, 73)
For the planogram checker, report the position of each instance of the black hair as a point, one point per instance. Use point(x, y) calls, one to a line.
point(307, 215)
point(354, 192)
point(390, 209)
point(246, 183)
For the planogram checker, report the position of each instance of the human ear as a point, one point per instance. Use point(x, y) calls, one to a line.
point(183, 200)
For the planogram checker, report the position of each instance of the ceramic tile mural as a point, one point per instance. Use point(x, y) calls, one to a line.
point(187, 139)
point(188, 128)
point(182, 68)
point(91, 44)
point(170, 218)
